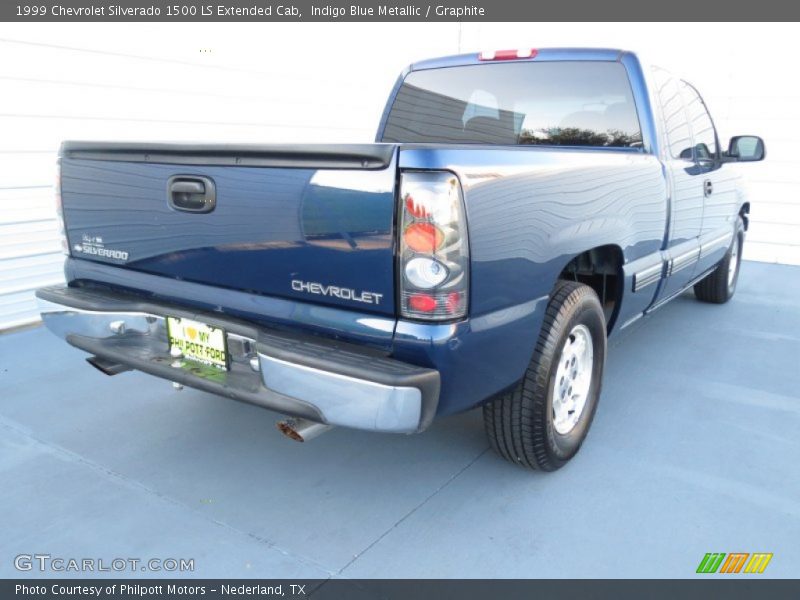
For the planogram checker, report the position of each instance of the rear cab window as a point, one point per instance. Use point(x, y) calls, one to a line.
point(559, 103)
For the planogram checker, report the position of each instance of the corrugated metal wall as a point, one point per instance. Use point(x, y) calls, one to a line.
point(178, 82)
point(324, 83)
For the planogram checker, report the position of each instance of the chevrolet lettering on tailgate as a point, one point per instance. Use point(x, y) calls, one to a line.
point(336, 291)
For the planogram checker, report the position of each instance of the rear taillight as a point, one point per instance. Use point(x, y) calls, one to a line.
point(434, 255)
point(60, 210)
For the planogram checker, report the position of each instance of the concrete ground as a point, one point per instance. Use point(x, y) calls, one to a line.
point(694, 449)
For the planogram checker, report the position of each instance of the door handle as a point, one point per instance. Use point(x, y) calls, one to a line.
point(191, 193)
point(708, 187)
point(187, 187)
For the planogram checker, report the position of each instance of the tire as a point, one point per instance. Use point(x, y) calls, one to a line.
point(720, 285)
point(522, 425)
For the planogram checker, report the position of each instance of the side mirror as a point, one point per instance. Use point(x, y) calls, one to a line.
point(746, 148)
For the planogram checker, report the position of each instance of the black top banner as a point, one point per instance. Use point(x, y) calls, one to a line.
point(413, 10)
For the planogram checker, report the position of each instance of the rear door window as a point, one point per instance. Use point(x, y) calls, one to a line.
point(704, 137)
point(676, 122)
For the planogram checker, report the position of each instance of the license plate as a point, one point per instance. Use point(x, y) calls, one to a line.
point(198, 341)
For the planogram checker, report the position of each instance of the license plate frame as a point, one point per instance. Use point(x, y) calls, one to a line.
point(199, 342)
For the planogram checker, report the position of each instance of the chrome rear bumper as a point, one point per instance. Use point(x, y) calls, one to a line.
point(328, 382)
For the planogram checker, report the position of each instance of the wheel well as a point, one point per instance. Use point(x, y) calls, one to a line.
point(601, 269)
point(744, 212)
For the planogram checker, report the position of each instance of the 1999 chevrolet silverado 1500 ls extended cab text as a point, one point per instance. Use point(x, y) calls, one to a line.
point(516, 208)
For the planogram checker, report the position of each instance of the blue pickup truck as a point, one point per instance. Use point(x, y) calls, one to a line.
point(516, 208)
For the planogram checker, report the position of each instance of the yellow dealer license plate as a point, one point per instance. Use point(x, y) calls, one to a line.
point(198, 341)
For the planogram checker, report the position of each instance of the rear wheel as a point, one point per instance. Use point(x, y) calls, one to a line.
point(543, 421)
point(720, 285)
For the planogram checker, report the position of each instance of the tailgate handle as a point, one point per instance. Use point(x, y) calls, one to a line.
point(191, 193)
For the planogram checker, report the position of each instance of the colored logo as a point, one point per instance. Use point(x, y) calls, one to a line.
point(735, 562)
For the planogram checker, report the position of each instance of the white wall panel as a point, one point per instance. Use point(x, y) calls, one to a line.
point(316, 82)
point(253, 83)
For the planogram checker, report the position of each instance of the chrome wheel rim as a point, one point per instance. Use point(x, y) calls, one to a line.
point(573, 379)
point(733, 263)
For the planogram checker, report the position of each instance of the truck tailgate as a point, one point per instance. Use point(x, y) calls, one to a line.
point(311, 223)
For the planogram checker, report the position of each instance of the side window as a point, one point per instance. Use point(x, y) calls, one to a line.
point(676, 124)
point(705, 139)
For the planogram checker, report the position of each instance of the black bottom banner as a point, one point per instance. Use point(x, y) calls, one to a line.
point(400, 589)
